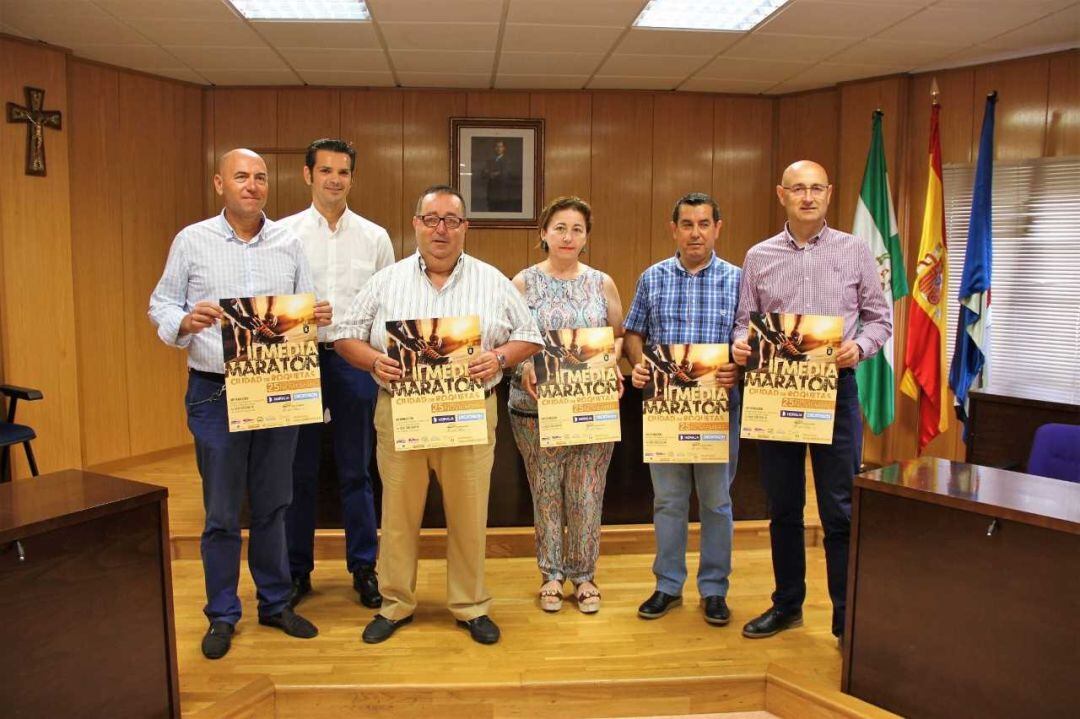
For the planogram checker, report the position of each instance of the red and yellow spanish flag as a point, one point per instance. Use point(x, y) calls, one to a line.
point(925, 369)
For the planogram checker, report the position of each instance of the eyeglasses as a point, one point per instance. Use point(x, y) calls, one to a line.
point(561, 231)
point(813, 190)
point(452, 222)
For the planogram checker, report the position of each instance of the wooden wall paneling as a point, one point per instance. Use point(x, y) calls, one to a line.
point(425, 149)
point(1063, 106)
point(742, 179)
point(808, 130)
point(305, 114)
point(682, 160)
point(291, 192)
point(148, 122)
point(372, 121)
point(209, 152)
point(505, 249)
point(245, 118)
point(622, 171)
point(97, 253)
point(1020, 120)
point(567, 154)
point(37, 320)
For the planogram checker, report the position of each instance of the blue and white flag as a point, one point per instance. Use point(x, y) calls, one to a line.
point(970, 362)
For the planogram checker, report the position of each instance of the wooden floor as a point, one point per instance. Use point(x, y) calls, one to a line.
point(536, 647)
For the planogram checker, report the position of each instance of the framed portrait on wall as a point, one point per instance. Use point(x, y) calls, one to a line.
point(498, 167)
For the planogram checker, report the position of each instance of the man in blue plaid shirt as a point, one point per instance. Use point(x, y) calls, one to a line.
point(690, 298)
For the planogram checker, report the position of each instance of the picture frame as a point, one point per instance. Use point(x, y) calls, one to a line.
point(497, 165)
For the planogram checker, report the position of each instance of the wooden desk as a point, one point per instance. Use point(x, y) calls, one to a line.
point(963, 592)
point(1003, 423)
point(86, 622)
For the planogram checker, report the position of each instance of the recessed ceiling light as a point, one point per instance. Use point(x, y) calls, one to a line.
point(302, 9)
point(730, 15)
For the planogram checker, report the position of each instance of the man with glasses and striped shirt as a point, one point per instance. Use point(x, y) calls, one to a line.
point(439, 280)
point(812, 269)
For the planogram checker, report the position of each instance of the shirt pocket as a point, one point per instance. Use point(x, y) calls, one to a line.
point(360, 271)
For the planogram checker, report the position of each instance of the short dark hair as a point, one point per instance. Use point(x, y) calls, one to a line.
point(439, 190)
point(330, 145)
point(693, 199)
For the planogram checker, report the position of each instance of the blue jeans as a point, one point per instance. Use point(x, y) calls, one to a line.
point(671, 512)
point(783, 472)
point(231, 463)
point(349, 394)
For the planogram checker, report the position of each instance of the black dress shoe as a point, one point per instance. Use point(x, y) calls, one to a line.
point(481, 629)
point(291, 623)
point(366, 584)
point(771, 622)
point(658, 605)
point(301, 587)
point(218, 638)
point(716, 611)
point(380, 628)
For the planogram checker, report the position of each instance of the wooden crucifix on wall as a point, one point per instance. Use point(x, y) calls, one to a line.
point(37, 119)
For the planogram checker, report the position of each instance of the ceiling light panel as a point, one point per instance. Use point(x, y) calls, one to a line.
point(355, 10)
point(723, 15)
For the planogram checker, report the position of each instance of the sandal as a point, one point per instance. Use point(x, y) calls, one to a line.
point(551, 596)
point(588, 598)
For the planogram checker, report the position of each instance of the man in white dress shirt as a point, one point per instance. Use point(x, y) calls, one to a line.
point(344, 251)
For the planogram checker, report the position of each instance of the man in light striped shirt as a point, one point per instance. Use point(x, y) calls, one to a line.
point(440, 280)
point(239, 253)
point(812, 269)
point(344, 251)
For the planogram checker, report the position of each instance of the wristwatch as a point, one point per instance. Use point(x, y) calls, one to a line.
point(502, 359)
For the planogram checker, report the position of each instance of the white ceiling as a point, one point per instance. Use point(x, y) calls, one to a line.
point(540, 44)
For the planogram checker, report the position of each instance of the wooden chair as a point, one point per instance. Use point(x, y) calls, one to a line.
point(11, 433)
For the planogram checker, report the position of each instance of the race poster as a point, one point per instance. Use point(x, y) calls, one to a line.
point(685, 410)
point(791, 378)
point(271, 357)
point(577, 386)
point(437, 404)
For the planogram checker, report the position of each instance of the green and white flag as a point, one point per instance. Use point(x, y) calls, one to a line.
point(875, 222)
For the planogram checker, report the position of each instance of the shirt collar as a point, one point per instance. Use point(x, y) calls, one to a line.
point(453, 273)
point(679, 265)
point(343, 221)
point(813, 240)
point(230, 233)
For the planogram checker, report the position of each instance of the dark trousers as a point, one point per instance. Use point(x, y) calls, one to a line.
point(350, 395)
point(232, 463)
point(783, 471)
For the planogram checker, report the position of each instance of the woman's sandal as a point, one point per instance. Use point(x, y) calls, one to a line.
point(588, 598)
point(551, 596)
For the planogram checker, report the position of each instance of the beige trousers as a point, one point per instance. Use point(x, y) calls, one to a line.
point(464, 475)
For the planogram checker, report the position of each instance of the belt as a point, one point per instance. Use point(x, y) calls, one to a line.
point(211, 376)
point(487, 392)
point(328, 346)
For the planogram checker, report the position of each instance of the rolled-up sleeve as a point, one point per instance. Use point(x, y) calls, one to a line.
point(169, 300)
point(875, 314)
point(356, 323)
